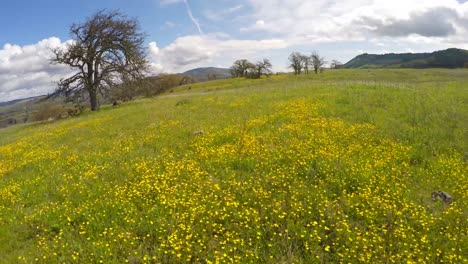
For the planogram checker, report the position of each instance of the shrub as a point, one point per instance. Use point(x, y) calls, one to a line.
point(124, 92)
point(50, 112)
point(183, 102)
point(148, 87)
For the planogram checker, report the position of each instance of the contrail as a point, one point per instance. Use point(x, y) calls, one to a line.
point(194, 20)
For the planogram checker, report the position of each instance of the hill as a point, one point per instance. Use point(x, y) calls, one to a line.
point(208, 73)
point(12, 102)
point(25, 110)
point(18, 111)
point(337, 167)
point(450, 58)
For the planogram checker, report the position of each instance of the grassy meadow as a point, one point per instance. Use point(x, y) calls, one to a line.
point(331, 168)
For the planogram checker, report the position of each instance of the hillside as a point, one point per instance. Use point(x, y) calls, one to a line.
point(208, 73)
point(21, 111)
point(12, 102)
point(450, 58)
point(18, 111)
point(337, 167)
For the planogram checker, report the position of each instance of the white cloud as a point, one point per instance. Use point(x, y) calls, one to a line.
point(234, 9)
point(168, 25)
point(217, 15)
point(260, 23)
point(26, 70)
point(153, 49)
point(169, 2)
point(340, 20)
point(202, 50)
point(258, 26)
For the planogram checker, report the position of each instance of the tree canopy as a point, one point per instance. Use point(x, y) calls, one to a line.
point(245, 68)
point(317, 61)
point(300, 62)
point(262, 67)
point(296, 62)
point(240, 68)
point(107, 49)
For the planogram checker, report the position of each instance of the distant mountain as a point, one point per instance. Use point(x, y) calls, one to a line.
point(18, 111)
point(449, 58)
point(208, 73)
point(12, 102)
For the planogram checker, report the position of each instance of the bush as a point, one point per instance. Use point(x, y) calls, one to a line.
point(49, 112)
point(183, 102)
point(159, 84)
point(125, 92)
point(148, 87)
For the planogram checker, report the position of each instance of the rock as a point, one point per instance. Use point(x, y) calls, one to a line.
point(445, 197)
point(198, 133)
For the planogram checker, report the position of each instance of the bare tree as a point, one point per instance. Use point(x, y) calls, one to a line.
point(317, 61)
point(240, 68)
point(262, 67)
point(106, 50)
point(296, 62)
point(306, 62)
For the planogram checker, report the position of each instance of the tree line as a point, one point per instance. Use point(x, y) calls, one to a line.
point(247, 69)
point(302, 63)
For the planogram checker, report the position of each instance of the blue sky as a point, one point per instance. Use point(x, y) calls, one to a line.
point(185, 34)
point(30, 21)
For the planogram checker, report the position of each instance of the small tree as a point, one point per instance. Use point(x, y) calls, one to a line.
point(262, 67)
point(106, 50)
point(240, 68)
point(317, 61)
point(48, 111)
point(296, 62)
point(306, 62)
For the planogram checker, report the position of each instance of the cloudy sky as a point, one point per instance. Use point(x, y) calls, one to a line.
point(185, 34)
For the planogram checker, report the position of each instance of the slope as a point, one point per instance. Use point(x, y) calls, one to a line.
point(291, 169)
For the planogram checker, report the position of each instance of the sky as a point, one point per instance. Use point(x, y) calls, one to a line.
point(186, 34)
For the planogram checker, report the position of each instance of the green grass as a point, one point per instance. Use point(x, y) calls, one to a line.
point(328, 168)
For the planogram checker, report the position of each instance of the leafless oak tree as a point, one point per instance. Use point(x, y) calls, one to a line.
point(296, 62)
point(262, 67)
point(306, 63)
point(317, 61)
point(105, 50)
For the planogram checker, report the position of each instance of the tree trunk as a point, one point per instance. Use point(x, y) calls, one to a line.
point(93, 100)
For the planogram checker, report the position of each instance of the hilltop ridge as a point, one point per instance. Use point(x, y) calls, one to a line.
point(449, 58)
point(205, 73)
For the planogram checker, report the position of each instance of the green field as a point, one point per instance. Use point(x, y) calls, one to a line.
point(331, 168)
